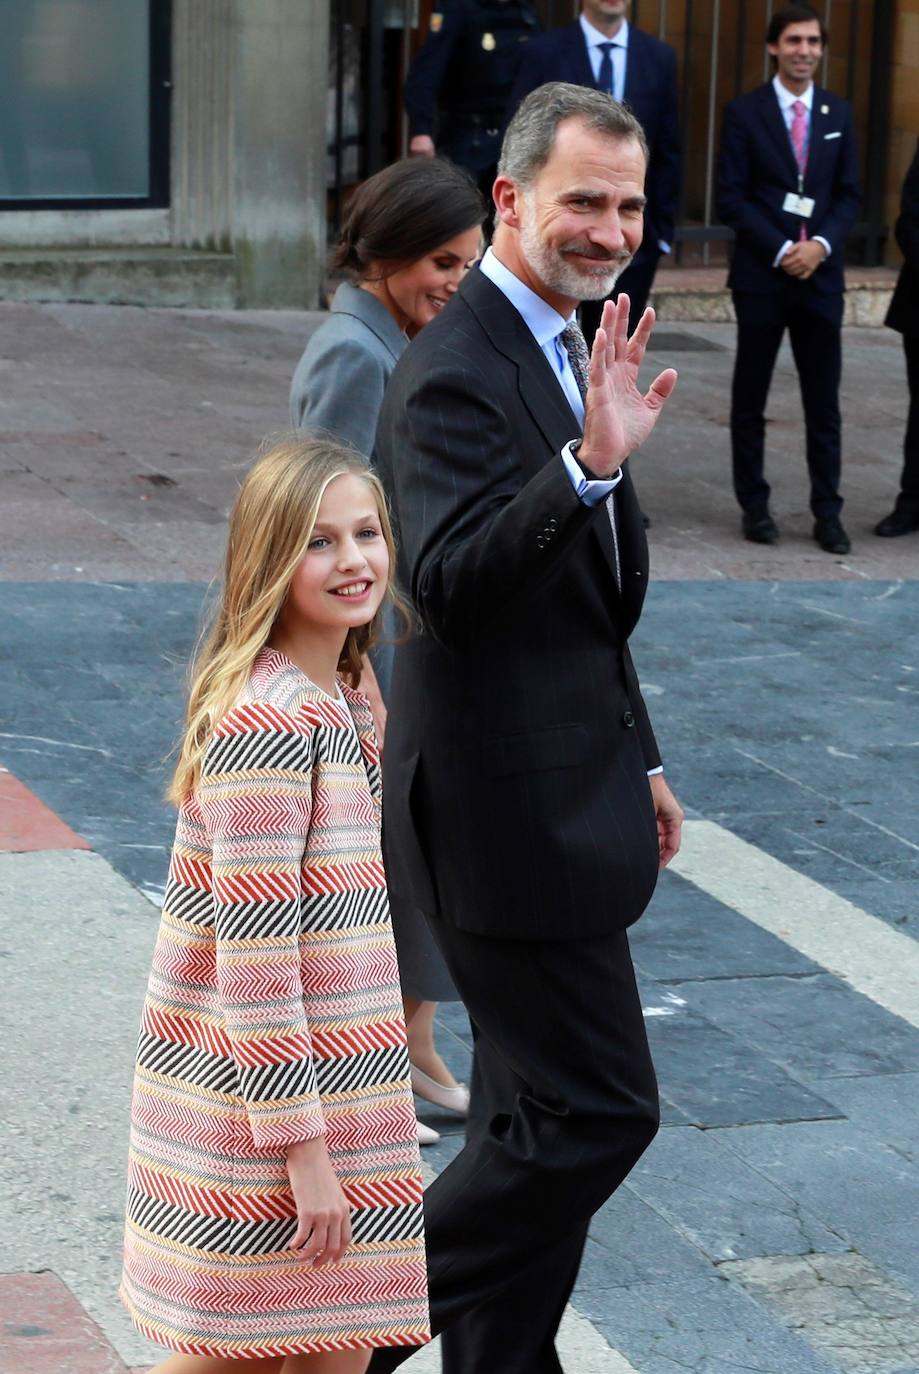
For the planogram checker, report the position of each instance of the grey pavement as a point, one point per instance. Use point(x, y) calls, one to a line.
point(771, 1226)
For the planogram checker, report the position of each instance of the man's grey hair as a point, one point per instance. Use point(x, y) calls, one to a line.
point(530, 135)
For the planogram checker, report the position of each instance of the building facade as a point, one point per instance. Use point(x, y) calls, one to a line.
point(198, 152)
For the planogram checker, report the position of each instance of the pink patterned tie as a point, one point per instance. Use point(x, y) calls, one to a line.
point(799, 143)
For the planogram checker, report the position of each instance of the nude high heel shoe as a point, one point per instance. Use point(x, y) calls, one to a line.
point(451, 1099)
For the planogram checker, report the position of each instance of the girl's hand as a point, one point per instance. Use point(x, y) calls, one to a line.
point(323, 1231)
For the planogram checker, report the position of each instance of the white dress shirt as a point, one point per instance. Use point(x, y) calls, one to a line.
point(786, 99)
point(546, 324)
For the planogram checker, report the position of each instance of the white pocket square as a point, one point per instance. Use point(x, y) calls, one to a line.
point(838, 134)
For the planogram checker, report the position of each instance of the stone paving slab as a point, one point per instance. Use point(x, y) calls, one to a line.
point(699, 1326)
point(692, 935)
point(887, 1106)
point(191, 394)
point(723, 1205)
point(717, 1079)
point(851, 1035)
point(859, 1187)
point(843, 1305)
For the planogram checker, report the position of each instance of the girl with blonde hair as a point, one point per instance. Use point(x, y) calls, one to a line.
point(274, 1191)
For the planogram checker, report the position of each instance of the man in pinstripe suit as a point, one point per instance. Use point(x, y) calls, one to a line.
point(525, 807)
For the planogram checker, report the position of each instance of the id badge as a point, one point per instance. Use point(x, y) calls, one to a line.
point(798, 205)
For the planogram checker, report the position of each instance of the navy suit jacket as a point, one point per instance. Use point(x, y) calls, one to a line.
point(757, 169)
point(650, 93)
point(903, 314)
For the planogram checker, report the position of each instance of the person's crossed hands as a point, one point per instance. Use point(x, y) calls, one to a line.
point(803, 258)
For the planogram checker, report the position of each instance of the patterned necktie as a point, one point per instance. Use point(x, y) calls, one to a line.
point(799, 143)
point(575, 345)
point(605, 75)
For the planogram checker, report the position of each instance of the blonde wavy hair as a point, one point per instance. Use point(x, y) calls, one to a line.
point(270, 527)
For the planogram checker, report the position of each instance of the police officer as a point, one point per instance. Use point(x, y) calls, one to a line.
point(465, 71)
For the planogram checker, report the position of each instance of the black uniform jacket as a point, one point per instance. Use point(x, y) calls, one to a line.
point(517, 801)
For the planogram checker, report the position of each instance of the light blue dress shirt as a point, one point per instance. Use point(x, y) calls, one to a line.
point(546, 324)
point(618, 53)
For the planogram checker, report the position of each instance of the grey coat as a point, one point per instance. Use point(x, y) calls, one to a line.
point(339, 382)
point(338, 387)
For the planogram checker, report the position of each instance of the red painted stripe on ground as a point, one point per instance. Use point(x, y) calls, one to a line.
point(26, 824)
point(44, 1330)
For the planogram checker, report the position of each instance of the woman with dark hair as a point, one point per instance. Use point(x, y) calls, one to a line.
point(410, 234)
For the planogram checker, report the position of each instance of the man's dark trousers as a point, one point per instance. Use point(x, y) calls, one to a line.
point(582, 1076)
point(813, 320)
point(908, 497)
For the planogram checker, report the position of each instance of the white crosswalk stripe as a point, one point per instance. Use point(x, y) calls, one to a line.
point(863, 950)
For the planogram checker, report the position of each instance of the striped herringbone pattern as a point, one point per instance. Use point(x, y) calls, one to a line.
point(273, 1014)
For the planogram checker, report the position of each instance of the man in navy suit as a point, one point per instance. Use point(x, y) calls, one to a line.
point(903, 316)
point(788, 187)
point(601, 49)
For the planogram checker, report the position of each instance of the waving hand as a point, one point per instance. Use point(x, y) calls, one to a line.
point(617, 418)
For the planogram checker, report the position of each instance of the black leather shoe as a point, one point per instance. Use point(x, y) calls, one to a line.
point(831, 536)
point(759, 527)
point(896, 523)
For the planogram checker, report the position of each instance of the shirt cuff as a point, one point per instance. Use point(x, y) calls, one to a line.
point(781, 253)
point(818, 238)
point(653, 772)
point(592, 493)
point(663, 245)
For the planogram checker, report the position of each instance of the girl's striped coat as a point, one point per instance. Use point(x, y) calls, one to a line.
point(273, 1014)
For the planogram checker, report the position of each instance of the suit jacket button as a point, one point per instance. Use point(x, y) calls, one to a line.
point(540, 542)
point(628, 718)
point(552, 523)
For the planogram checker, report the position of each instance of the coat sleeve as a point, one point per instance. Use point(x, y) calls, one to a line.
point(736, 204)
point(530, 74)
point(472, 529)
point(255, 797)
point(427, 72)
point(338, 388)
point(907, 229)
point(846, 197)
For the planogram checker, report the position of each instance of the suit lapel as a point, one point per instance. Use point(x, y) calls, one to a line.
point(538, 386)
point(583, 72)
point(820, 125)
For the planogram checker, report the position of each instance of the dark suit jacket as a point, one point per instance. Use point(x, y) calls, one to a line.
point(903, 314)
point(517, 747)
point(650, 93)
point(757, 169)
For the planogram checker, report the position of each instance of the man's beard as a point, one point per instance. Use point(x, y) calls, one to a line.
point(561, 276)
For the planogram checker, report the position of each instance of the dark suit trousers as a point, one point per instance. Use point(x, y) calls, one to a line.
point(636, 281)
point(908, 498)
point(566, 1103)
point(515, 1331)
point(814, 324)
